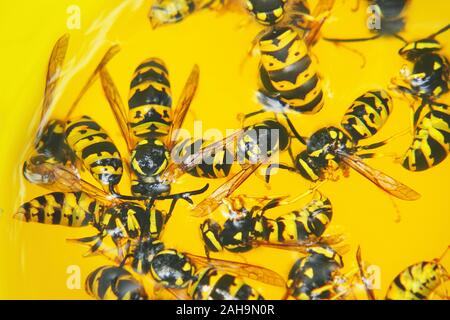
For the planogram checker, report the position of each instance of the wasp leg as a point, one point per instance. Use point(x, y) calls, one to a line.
point(279, 166)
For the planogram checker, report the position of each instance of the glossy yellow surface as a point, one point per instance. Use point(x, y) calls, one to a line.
point(35, 258)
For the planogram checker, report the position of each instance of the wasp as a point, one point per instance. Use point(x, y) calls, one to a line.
point(316, 276)
point(418, 281)
point(387, 20)
point(150, 127)
point(119, 219)
point(331, 148)
point(288, 76)
point(247, 228)
point(202, 278)
point(254, 145)
point(52, 160)
point(114, 283)
point(165, 12)
point(427, 82)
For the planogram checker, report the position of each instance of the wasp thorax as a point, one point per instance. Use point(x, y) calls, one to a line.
point(172, 268)
point(149, 158)
point(329, 140)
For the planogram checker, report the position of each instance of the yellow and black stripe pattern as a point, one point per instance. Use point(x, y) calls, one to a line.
point(367, 114)
point(312, 277)
point(313, 162)
point(172, 269)
point(114, 283)
point(132, 221)
point(267, 12)
point(417, 281)
point(287, 71)
point(212, 284)
point(307, 224)
point(431, 143)
point(150, 100)
point(76, 209)
point(214, 165)
point(96, 150)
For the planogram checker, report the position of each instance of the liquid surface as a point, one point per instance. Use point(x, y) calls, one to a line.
point(37, 261)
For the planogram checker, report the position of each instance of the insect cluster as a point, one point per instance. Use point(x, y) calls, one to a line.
point(128, 225)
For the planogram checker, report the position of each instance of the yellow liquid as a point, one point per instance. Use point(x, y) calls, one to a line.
point(36, 258)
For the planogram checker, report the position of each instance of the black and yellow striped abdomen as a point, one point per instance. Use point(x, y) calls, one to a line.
point(214, 165)
point(212, 284)
point(312, 277)
point(76, 209)
point(288, 72)
point(367, 114)
point(172, 268)
point(431, 143)
point(150, 100)
point(307, 224)
point(114, 283)
point(417, 282)
point(96, 150)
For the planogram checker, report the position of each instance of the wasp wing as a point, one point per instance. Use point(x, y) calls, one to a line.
point(184, 102)
point(54, 71)
point(211, 203)
point(244, 270)
point(321, 13)
point(380, 179)
point(116, 104)
point(177, 168)
point(363, 275)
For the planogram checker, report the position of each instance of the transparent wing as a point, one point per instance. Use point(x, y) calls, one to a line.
point(54, 71)
point(57, 177)
point(244, 270)
point(184, 102)
point(117, 107)
point(321, 13)
point(112, 51)
point(383, 181)
point(211, 203)
point(176, 169)
point(334, 240)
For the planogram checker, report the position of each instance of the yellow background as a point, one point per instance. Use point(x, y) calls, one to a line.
point(35, 258)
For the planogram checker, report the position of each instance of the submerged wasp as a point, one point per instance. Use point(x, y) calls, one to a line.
point(419, 281)
point(201, 278)
point(288, 75)
point(53, 162)
point(248, 228)
point(114, 283)
point(150, 127)
point(253, 146)
point(121, 220)
point(330, 148)
point(427, 82)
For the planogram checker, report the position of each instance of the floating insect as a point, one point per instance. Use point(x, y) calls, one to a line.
point(330, 148)
point(204, 278)
point(248, 228)
point(317, 276)
point(427, 82)
point(288, 75)
point(419, 281)
point(150, 129)
point(165, 12)
point(114, 283)
point(387, 19)
point(52, 160)
point(254, 145)
point(119, 219)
